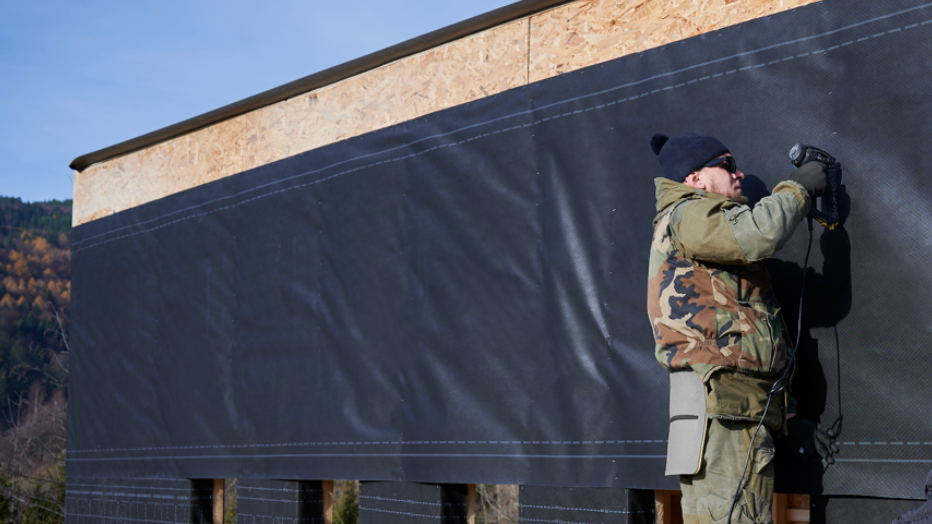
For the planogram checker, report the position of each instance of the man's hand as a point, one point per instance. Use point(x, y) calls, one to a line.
point(813, 440)
point(812, 176)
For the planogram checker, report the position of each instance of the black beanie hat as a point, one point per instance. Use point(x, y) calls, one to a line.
point(682, 154)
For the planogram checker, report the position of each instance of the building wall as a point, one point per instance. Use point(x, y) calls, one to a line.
point(569, 37)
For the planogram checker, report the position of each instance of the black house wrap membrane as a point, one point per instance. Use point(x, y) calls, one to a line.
point(460, 298)
point(158, 501)
point(549, 505)
point(286, 501)
point(409, 502)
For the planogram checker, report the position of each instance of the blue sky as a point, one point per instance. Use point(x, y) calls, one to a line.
point(76, 77)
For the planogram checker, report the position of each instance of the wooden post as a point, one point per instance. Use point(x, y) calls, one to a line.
point(780, 501)
point(327, 487)
point(219, 485)
point(790, 508)
point(660, 516)
point(667, 506)
point(664, 513)
point(795, 515)
point(470, 504)
point(797, 508)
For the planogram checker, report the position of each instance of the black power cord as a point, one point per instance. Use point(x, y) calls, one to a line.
point(781, 382)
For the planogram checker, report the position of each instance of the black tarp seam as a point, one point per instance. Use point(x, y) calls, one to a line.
point(370, 497)
point(292, 519)
point(563, 508)
point(890, 461)
point(408, 513)
point(283, 489)
point(123, 519)
point(289, 501)
point(357, 455)
point(134, 495)
point(513, 115)
point(882, 443)
point(188, 490)
point(561, 521)
point(131, 495)
point(387, 443)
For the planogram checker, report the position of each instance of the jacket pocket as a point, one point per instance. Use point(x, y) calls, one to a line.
point(763, 456)
point(762, 345)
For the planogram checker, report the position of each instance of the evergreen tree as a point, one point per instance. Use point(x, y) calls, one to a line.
point(346, 510)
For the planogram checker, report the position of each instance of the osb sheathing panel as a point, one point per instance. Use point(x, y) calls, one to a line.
point(569, 37)
point(588, 32)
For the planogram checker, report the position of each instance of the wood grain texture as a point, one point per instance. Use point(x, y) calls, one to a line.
point(797, 508)
point(327, 488)
point(661, 507)
point(780, 501)
point(797, 515)
point(589, 32)
point(579, 34)
point(218, 501)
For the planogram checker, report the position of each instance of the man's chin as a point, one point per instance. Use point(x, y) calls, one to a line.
point(741, 199)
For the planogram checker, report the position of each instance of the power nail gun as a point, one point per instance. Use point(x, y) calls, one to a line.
point(828, 214)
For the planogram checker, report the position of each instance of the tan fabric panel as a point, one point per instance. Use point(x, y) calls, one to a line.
point(576, 35)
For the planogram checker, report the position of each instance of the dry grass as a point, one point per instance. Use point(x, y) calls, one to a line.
point(496, 504)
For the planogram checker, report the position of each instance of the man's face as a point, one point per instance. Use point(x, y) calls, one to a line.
point(717, 179)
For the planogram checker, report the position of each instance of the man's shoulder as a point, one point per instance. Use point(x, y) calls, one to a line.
point(700, 230)
point(702, 207)
point(674, 196)
point(669, 193)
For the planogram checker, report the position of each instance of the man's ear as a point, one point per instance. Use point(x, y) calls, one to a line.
point(692, 180)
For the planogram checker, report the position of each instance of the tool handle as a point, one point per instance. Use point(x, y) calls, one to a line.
point(828, 213)
point(802, 153)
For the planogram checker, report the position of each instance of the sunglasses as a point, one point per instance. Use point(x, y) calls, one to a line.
point(730, 164)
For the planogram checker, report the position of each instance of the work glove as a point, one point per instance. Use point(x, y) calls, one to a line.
point(812, 176)
point(812, 440)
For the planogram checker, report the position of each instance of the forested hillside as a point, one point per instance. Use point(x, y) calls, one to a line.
point(35, 284)
point(35, 289)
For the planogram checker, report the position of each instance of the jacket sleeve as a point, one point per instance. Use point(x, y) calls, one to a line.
point(720, 231)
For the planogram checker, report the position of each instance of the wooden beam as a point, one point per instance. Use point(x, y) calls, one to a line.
point(780, 501)
point(219, 486)
point(664, 510)
point(470, 504)
point(327, 487)
point(797, 515)
point(797, 508)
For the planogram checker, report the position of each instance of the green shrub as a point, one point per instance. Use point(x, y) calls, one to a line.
point(346, 509)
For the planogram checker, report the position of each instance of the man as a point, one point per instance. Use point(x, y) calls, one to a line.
point(714, 312)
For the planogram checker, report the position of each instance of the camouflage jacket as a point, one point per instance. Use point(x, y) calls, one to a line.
point(709, 300)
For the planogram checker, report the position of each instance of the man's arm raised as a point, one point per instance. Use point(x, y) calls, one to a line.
point(720, 231)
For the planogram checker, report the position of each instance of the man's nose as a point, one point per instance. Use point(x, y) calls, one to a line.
point(739, 175)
